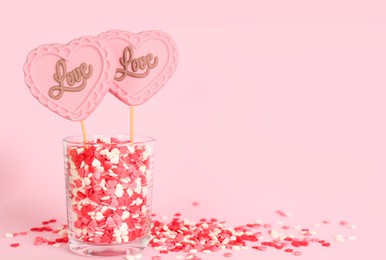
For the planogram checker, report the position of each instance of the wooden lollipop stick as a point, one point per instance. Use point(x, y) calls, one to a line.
point(84, 132)
point(131, 125)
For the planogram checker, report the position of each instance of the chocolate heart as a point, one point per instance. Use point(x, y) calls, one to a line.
point(70, 79)
point(143, 63)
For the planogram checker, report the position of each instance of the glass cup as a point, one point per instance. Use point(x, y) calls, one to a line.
point(109, 193)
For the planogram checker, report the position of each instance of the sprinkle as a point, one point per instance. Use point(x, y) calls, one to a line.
point(15, 245)
point(227, 255)
point(339, 238)
point(9, 235)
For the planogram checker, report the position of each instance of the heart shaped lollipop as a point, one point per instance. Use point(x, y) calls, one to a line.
point(70, 79)
point(144, 62)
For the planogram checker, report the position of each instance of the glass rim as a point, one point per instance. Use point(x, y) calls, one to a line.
point(123, 139)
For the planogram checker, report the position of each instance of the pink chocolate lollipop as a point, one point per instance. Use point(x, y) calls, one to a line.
point(70, 79)
point(143, 63)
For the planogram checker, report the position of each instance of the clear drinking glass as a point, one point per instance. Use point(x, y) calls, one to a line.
point(109, 193)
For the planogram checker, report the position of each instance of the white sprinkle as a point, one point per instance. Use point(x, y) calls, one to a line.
point(225, 241)
point(138, 189)
point(138, 256)
point(125, 215)
point(193, 250)
point(131, 149)
point(145, 155)
point(96, 163)
point(179, 257)
point(86, 181)
point(148, 149)
point(130, 257)
point(142, 168)
point(339, 238)
point(206, 251)
point(297, 227)
point(352, 226)
point(237, 248)
point(139, 201)
point(125, 180)
point(316, 225)
point(9, 235)
point(351, 238)
point(259, 221)
point(80, 150)
point(119, 190)
point(144, 191)
point(104, 152)
point(99, 216)
point(279, 222)
point(189, 257)
point(99, 232)
point(56, 245)
point(103, 209)
point(105, 198)
point(130, 192)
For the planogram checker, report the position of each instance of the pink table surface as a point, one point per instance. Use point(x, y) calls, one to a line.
point(273, 106)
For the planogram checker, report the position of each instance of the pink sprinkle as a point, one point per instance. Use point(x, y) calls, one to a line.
point(326, 222)
point(297, 253)
point(281, 213)
point(343, 223)
point(23, 233)
point(15, 245)
point(195, 204)
point(156, 257)
point(227, 255)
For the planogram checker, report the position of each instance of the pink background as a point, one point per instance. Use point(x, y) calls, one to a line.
point(276, 105)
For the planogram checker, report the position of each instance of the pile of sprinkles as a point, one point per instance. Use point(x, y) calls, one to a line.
point(192, 240)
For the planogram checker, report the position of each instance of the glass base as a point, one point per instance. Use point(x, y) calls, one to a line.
point(87, 249)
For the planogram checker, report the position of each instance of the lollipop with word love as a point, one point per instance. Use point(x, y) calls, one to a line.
point(143, 63)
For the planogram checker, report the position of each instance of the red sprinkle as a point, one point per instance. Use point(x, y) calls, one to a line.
point(326, 244)
point(227, 255)
point(15, 245)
